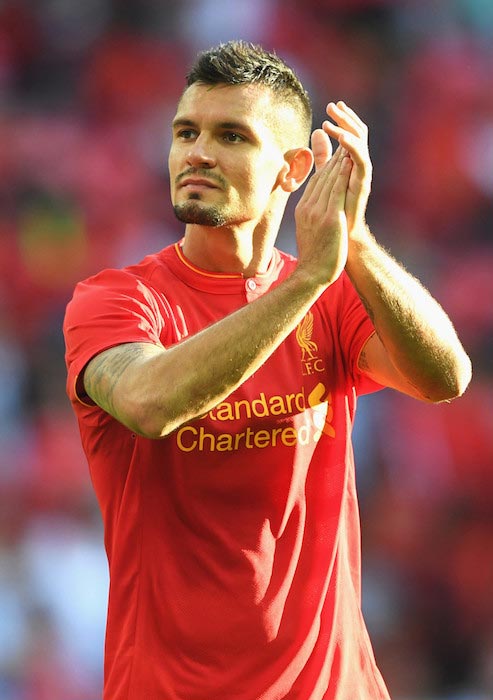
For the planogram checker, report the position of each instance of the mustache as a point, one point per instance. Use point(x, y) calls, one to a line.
point(201, 172)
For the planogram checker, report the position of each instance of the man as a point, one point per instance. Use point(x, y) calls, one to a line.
point(215, 386)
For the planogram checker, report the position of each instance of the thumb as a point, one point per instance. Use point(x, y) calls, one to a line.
point(321, 148)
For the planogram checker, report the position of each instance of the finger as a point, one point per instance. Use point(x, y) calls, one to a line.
point(353, 143)
point(346, 119)
point(317, 180)
point(342, 105)
point(337, 132)
point(337, 198)
point(357, 149)
point(325, 179)
point(330, 206)
point(321, 148)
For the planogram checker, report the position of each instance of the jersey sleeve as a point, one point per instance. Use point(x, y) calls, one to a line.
point(355, 328)
point(109, 309)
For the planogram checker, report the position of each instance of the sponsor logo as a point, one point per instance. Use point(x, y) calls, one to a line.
point(298, 419)
point(312, 418)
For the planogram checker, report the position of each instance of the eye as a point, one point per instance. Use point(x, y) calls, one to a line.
point(186, 134)
point(233, 137)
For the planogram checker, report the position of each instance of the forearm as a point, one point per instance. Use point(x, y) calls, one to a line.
point(153, 391)
point(417, 334)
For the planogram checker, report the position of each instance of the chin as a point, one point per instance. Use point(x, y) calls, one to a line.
point(193, 212)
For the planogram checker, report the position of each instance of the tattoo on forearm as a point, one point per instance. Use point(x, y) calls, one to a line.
point(363, 362)
point(104, 372)
point(368, 307)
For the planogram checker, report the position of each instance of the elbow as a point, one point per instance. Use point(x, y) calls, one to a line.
point(155, 414)
point(454, 382)
point(153, 425)
point(464, 376)
point(148, 430)
point(145, 419)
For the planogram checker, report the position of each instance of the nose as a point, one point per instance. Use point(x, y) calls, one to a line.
point(200, 153)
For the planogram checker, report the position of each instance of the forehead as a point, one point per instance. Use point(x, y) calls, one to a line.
point(255, 105)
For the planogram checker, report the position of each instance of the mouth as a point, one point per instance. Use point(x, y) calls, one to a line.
point(197, 183)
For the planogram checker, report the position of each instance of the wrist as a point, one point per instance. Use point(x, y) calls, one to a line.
point(310, 279)
point(360, 233)
point(361, 242)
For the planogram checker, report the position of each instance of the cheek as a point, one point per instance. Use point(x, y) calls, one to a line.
point(272, 167)
point(255, 188)
point(264, 171)
point(173, 171)
point(264, 180)
point(172, 165)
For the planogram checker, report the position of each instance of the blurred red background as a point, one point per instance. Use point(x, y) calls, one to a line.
point(86, 95)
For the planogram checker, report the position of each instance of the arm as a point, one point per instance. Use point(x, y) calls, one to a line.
point(416, 349)
point(153, 390)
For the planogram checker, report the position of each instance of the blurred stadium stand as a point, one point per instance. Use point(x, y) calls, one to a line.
point(87, 90)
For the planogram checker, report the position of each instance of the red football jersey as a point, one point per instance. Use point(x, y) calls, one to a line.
point(234, 542)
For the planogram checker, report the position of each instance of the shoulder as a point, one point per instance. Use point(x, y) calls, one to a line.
point(119, 300)
point(132, 279)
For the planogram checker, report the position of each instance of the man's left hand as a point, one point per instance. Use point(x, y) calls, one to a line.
point(352, 134)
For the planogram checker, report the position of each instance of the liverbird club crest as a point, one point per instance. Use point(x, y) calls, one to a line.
point(310, 359)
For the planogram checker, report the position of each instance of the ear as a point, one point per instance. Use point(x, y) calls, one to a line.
point(298, 163)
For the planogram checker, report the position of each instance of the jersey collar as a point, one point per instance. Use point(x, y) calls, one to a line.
point(221, 282)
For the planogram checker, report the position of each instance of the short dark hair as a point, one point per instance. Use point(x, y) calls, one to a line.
point(244, 63)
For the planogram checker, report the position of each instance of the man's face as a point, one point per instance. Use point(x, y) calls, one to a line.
point(227, 153)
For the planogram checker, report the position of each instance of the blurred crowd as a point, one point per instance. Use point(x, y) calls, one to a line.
point(87, 90)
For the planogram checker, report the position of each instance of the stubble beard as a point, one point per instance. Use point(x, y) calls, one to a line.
point(193, 212)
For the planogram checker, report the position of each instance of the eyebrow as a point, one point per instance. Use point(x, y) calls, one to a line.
point(182, 122)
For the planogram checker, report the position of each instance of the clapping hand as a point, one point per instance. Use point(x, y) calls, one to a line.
point(352, 134)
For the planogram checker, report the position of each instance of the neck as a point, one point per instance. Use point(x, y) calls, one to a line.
point(228, 250)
